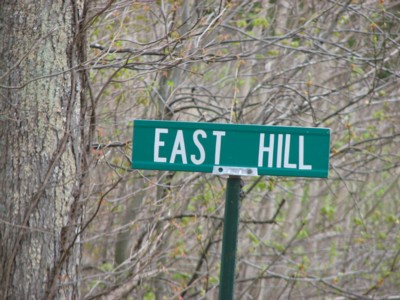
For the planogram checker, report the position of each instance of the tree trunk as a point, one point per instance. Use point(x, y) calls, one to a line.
point(41, 162)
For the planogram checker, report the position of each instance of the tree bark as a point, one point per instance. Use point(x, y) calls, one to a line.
point(41, 161)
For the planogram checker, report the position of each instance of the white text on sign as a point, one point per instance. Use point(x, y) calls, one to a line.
point(278, 156)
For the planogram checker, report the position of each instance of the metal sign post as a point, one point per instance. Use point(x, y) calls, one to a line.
point(229, 238)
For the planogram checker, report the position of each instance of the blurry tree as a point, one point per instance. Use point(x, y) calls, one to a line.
point(43, 135)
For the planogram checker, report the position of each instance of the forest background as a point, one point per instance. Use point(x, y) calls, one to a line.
point(77, 221)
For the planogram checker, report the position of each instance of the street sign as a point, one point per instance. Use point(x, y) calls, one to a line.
point(233, 149)
point(244, 150)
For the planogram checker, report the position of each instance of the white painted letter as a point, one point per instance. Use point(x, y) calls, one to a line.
point(158, 144)
point(269, 149)
point(179, 148)
point(279, 151)
point(199, 146)
point(302, 166)
point(218, 134)
point(286, 163)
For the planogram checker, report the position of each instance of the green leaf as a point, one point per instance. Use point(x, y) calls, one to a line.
point(351, 42)
point(295, 44)
point(254, 239)
point(261, 22)
point(358, 221)
point(170, 83)
point(302, 234)
point(241, 23)
point(149, 296)
point(106, 267)
point(328, 210)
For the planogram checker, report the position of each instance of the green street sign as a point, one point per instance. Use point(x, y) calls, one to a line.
point(233, 149)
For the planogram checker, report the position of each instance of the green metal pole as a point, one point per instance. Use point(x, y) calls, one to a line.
point(229, 239)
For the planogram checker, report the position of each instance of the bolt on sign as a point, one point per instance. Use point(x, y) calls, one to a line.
point(244, 150)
